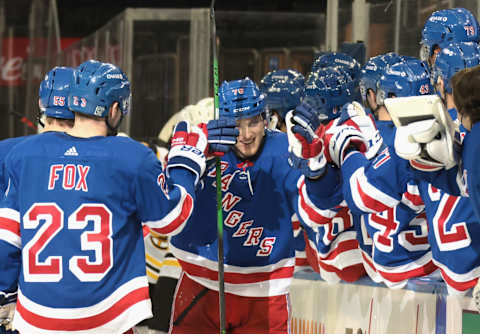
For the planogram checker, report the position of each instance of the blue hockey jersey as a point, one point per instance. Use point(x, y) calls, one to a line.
point(78, 205)
point(454, 233)
point(6, 146)
point(259, 197)
point(11, 268)
point(471, 167)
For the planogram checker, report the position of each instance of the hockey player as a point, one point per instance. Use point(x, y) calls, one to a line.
point(163, 269)
point(465, 93)
point(53, 93)
point(450, 60)
point(259, 198)
point(283, 90)
point(392, 258)
point(403, 252)
point(444, 27)
point(452, 224)
point(331, 245)
point(343, 63)
point(82, 198)
point(377, 184)
point(338, 59)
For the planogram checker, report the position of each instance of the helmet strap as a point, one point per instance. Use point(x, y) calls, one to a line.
point(113, 130)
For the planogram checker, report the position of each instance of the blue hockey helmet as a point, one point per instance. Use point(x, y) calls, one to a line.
point(338, 59)
point(53, 93)
point(283, 90)
point(240, 99)
point(373, 70)
point(410, 77)
point(391, 58)
point(326, 90)
point(454, 58)
point(448, 26)
point(97, 86)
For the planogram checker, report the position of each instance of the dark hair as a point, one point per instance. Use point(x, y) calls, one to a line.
point(466, 92)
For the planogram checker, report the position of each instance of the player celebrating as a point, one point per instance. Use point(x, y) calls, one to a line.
point(82, 206)
point(259, 198)
point(283, 90)
point(53, 94)
point(331, 245)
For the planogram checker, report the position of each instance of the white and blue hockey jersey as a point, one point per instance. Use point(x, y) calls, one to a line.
point(74, 207)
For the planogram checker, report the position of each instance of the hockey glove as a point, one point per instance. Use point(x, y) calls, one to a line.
point(305, 146)
point(355, 115)
point(222, 135)
point(187, 149)
point(425, 145)
point(341, 139)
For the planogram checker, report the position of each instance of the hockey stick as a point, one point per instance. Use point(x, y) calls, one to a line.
point(218, 171)
point(24, 119)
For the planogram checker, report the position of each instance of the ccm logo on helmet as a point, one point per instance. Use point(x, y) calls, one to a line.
point(241, 109)
point(114, 76)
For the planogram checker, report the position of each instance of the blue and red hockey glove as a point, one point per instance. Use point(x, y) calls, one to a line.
point(187, 150)
point(305, 141)
point(222, 135)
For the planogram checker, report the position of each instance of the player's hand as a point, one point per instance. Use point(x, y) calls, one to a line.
point(353, 114)
point(426, 145)
point(341, 139)
point(222, 135)
point(187, 149)
point(306, 148)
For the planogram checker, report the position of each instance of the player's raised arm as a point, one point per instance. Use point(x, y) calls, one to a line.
point(166, 199)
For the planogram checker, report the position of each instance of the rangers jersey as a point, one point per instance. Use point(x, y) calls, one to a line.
point(78, 205)
point(454, 233)
point(11, 268)
point(259, 197)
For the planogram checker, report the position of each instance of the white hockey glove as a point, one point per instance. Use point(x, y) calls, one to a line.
point(426, 145)
point(188, 149)
point(305, 145)
point(6, 315)
point(340, 138)
point(355, 115)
